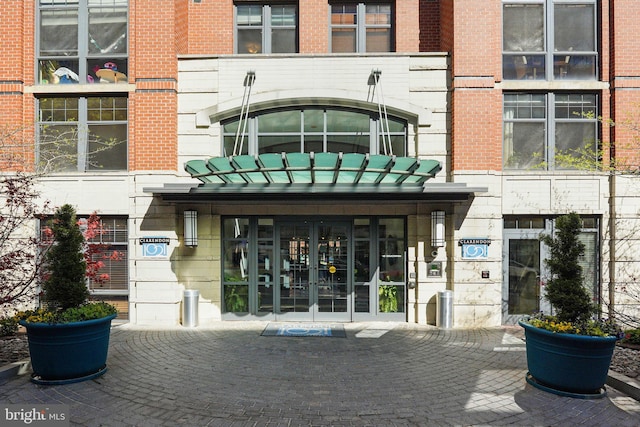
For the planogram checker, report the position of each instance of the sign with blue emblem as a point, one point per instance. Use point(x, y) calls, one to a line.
point(154, 247)
point(474, 248)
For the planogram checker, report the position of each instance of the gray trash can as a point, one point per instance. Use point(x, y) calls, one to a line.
point(190, 307)
point(444, 317)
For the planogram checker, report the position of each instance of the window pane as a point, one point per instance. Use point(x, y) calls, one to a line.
point(58, 109)
point(249, 15)
point(283, 41)
point(577, 67)
point(280, 122)
point(575, 106)
point(524, 106)
point(397, 145)
point(313, 121)
point(378, 14)
point(58, 72)
point(314, 144)
point(107, 31)
point(58, 148)
point(523, 28)
point(574, 27)
point(279, 144)
point(348, 144)
point(107, 109)
point(575, 145)
point(249, 41)
point(516, 67)
point(283, 16)
point(347, 121)
point(59, 33)
point(343, 40)
point(107, 148)
point(378, 40)
point(343, 14)
point(524, 145)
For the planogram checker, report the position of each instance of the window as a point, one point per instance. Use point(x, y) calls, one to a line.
point(269, 28)
point(82, 41)
point(313, 130)
point(113, 254)
point(360, 27)
point(82, 134)
point(549, 40)
point(550, 131)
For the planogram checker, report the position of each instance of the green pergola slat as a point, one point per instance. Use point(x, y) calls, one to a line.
point(400, 170)
point(247, 166)
point(354, 169)
point(273, 167)
point(324, 169)
point(299, 167)
point(426, 170)
point(221, 166)
point(198, 169)
point(377, 167)
point(351, 167)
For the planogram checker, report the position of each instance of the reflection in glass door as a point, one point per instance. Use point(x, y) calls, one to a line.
point(523, 288)
point(314, 271)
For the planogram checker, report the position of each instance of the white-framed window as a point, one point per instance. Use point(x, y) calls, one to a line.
point(82, 41)
point(550, 131)
point(314, 129)
point(266, 28)
point(549, 39)
point(360, 27)
point(80, 134)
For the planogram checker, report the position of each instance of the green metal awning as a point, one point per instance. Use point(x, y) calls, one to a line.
point(287, 177)
point(313, 168)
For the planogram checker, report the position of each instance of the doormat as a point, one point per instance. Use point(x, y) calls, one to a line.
point(304, 330)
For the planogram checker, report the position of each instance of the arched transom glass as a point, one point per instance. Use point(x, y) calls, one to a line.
point(314, 129)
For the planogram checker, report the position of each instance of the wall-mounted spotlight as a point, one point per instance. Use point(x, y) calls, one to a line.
point(437, 229)
point(191, 228)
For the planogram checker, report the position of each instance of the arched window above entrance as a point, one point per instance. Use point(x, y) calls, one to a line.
point(314, 129)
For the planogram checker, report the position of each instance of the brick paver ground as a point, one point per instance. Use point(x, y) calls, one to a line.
point(381, 374)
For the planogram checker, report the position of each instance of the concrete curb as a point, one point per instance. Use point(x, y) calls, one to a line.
point(624, 384)
point(13, 369)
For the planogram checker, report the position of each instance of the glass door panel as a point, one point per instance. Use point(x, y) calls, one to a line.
point(295, 268)
point(523, 289)
point(332, 278)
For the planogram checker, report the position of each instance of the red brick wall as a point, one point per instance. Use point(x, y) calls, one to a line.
point(407, 26)
point(476, 102)
point(625, 82)
point(153, 66)
point(16, 71)
point(209, 27)
point(429, 21)
point(314, 26)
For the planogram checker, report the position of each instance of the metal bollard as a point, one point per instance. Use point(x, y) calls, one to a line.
point(190, 307)
point(444, 318)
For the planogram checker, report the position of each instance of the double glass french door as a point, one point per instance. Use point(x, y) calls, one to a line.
point(314, 280)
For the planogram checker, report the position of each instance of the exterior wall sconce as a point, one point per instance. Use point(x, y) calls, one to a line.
point(191, 228)
point(437, 229)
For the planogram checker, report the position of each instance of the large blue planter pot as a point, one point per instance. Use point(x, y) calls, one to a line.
point(68, 352)
point(567, 364)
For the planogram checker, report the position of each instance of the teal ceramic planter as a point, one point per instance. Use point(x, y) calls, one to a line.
point(567, 364)
point(68, 352)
